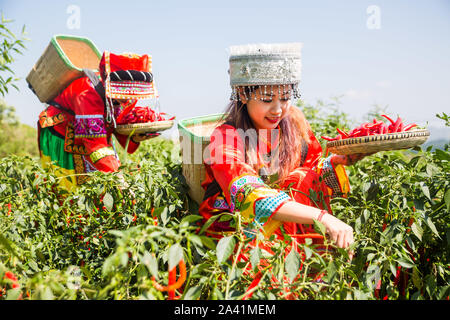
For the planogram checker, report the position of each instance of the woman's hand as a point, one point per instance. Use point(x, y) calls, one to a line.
point(349, 159)
point(138, 137)
point(340, 232)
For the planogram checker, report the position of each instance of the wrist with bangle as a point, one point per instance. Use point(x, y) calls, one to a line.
point(321, 214)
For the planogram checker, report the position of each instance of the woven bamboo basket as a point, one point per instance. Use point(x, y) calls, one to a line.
point(156, 126)
point(379, 142)
point(61, 63)
point(195, 135)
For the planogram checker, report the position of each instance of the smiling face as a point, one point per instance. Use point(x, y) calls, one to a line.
point(269, 107)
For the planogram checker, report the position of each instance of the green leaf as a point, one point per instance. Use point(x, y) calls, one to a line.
point(225, 248)
point(151, 263)
point(108, 201)
point(425, 190)
point(308, 252)
point(195, 239)
point(193, 293)
point(175, 255)
point(124, 259)
point(372, 191)
point(47, 294)
point(4, 242)
point(292, 264)
point(393, 268)
point(331, 271)
point(209, 222)
point(208, 242)
point(447, 199)
point(417, 230)
point(432, 226)
point(405, 263)
point(225, 217)
point(165, 216)
point(190, 219)
point(13, 294)
point(416, 278)
point(255, 257)
point(320, 227)
point(410, 242)
point(442, 155)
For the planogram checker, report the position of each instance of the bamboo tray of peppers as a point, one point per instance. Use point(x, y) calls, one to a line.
point(375, 136)
point(137, 119)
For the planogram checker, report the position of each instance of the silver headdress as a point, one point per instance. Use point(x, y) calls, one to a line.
point(265, 66)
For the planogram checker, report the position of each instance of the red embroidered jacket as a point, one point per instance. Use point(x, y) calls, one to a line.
point(89, 125)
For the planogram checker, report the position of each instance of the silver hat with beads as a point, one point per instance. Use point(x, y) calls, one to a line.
point(265, 66)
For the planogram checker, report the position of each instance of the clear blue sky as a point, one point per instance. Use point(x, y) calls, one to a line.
point(404, 64)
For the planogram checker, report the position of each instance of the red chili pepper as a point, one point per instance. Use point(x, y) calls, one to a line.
point(343, 133)
point(10, 276)
point(173, 285)
point(397, 124)
point(397, 275)
point(364, 132)
point(254, 283)
point(172, 280)
point(390, 120)
point(409, 126)
point(125, 112)
point(328, 138)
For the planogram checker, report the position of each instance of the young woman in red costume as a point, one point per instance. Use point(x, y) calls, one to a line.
point(265, 162)
point(75, 130)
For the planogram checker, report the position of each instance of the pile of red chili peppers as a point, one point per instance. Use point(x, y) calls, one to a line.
point(134, 114)
point(373, 128)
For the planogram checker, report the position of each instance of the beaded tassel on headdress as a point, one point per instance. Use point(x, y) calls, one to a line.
point(257, 65)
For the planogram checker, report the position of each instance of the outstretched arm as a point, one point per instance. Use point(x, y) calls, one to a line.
point(340, 232)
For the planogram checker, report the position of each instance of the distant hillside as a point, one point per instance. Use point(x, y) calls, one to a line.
point(439, 143)
point(19, 139)
point(439, 136)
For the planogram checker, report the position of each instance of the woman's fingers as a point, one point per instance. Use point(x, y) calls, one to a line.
point(348, 160)
point(340, 232)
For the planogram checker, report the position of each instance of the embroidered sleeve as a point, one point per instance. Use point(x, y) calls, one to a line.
point(244, 191)
point(257, 203)
point(101, 153)
point(89, 126)
point(334, 177)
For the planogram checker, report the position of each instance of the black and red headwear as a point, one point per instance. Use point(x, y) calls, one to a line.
point(127, 76)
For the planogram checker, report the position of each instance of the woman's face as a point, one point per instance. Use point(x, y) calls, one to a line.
point(269, 107)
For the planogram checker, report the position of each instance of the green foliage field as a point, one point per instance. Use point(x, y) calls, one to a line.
point(108, 239)
point(15, 137)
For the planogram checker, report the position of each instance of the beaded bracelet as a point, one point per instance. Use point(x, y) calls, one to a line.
point(321, 214)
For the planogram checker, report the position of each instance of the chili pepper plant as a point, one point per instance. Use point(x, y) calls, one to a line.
point(136, 234)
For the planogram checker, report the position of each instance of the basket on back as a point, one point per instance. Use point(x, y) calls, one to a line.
point(61, 63)
point(195, 134)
